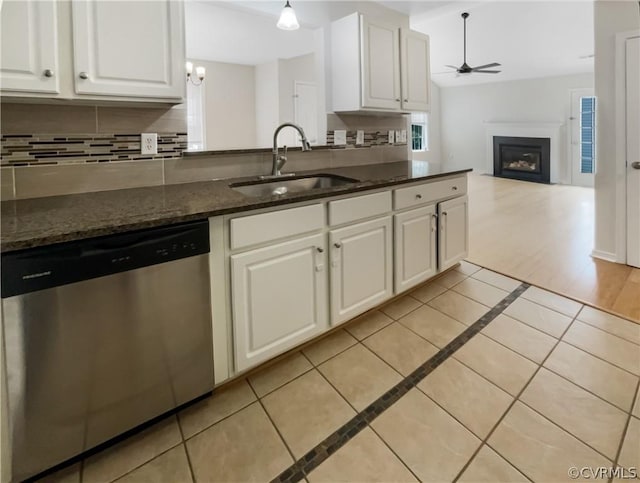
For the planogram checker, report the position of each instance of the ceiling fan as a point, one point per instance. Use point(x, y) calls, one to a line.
point(465, 68)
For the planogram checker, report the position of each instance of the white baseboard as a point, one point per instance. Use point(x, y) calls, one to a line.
point(602, 255)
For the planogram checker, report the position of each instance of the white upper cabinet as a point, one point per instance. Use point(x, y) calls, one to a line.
point(378, 66)
point(129, 48)
point(29, 52)
point(414, 61)
point(93, 50)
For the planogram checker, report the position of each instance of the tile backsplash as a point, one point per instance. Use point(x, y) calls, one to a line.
point(48, 149)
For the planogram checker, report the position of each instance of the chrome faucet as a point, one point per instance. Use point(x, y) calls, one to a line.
point(280, 159)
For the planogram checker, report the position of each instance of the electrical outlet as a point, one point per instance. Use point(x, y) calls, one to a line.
point(398, 136)
point(392, 137)
point(360, 137)
point(339, 137)
point(403, 136)
point(149, 143)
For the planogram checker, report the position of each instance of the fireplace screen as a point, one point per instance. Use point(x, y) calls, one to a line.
point(520, 159)
point(527, 159)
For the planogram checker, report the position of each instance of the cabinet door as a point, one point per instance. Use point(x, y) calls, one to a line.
point(29, 53)
point(416, 77)
point(278, 298)
point(133, 48)
point(380, 64)
point(415, 247)
point(361, 267)
point(453, 237)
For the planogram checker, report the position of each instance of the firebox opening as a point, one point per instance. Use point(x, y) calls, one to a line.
point(526, 159)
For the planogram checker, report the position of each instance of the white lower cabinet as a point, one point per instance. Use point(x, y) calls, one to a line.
point(415, 247)
point(279, 298)
point(453, 235)
point(361, 268)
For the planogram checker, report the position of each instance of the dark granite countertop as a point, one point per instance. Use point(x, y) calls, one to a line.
point(45, 221)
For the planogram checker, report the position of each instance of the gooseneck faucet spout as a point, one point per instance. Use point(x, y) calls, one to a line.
point(280, 159)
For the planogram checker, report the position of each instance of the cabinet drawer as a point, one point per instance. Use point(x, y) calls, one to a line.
point(429, 192)
point(265, 227)
point(359, 208)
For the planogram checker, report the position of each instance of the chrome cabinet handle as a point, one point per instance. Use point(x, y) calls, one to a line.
point(320, 250)
point(48, 73)
point(454, 188)
point(444, 213)
point(337, 245)
point(406, 100)
point(635, 165)
point(418, 196)
point(83, 75)
point(398, 99)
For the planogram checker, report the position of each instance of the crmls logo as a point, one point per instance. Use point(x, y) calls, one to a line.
point(36, 275)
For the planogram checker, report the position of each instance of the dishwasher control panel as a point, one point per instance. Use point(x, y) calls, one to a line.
point(45, 267)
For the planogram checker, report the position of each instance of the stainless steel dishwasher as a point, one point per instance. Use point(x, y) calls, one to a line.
point(102, 335)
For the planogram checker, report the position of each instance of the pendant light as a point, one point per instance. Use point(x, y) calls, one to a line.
point(288, 19)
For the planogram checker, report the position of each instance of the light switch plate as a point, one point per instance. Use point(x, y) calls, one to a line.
point(392, 137)
point(403, 136)
point(398, 136)
point(339, 137)
point(149, 143)
point(360, 137)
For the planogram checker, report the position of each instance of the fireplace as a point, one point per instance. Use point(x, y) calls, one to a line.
point(526, 159)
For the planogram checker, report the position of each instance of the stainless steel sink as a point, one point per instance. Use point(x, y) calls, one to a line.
point(284, 185)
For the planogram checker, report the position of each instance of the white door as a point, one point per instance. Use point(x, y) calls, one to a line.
point(632, 104)
point(133, 48)
point(279, 298)
point(582, 137)
point(415, 247)
point(416, 77)
point(361, 267)
point(380, 64)
point(305, 109)
point(29, 51)
point(453, 236)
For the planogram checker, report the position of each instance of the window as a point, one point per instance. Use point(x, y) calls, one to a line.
point(419, 134)
point(195, 117)
point(587, 134)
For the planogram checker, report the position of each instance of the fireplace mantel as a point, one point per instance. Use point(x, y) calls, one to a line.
point(551, 130)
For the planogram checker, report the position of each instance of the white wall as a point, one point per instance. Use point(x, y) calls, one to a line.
point(464, 110)
point(230, 110)
point(301, 68)
point(610, 17)
point(266, 103)
point(434, 153)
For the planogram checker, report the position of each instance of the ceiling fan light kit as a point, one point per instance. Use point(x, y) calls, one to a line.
point(465, 68)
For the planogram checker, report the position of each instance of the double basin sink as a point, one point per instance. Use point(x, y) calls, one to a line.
point(285, 184)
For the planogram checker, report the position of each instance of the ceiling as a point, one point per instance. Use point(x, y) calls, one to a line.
point(531, 39)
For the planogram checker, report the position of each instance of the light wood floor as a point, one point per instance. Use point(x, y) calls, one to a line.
point(543, 234)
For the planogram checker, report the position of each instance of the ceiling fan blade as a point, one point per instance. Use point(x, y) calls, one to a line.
point(487, 71)
point(486, 66)
point(446, 72)
point(452, 67)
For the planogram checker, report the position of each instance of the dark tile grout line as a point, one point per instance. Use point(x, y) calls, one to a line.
point(184, 446)
point(273, 423)
point(344, 434)
point(515, 400)
point(616, 461)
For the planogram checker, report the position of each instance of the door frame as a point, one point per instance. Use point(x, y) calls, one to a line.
point(621, 144)
point(573, 176)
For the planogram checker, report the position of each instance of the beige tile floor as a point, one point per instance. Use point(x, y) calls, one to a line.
point(547, 385)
